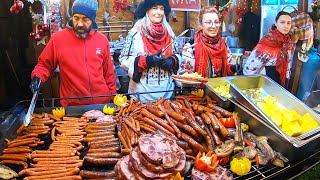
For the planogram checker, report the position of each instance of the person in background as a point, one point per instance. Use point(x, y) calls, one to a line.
point(209, 55)
point(144, 56)
point(271, 56)
point(83, 56)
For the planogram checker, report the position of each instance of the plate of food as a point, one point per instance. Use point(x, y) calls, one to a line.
point(193, 78)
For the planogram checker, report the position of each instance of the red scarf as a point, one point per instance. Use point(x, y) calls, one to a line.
point(213, 48)
point(282, 42)
point(155, 39)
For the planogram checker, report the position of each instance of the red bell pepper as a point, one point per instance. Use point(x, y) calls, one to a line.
point(228, 122)
point(206, 162)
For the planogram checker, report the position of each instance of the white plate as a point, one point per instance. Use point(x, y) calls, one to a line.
point(186, 81)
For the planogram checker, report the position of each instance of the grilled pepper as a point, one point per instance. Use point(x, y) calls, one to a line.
point(240, 166)
point(198, 93)
point(119, 99)
point(59, 112)
point(108, 110)
point(177, 177)
point(206, 162)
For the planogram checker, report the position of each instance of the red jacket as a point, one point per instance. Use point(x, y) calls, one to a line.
point(85, 66)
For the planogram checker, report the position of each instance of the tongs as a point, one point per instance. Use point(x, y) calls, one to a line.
point(28, 116)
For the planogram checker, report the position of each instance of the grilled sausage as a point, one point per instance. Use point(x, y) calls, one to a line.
point(100, 161)
point(94, 174)
point(192, 143)
point(223, 112)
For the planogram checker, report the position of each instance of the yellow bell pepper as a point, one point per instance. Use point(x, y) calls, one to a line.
point(177, 177)
point(198, 93)
point(119, 99)
point(245, 127)
point(108, 110)
point(59, 112)
point(240, 166)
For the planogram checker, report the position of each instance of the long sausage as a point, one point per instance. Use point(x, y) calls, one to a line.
point(131, 125)
point(57, 165)
point(24, 164)
point(95, 174)
point(158, 120)
point(112, 144)
point(106, 133)
point(214, 121)
point(16, 150)
point(176, 129)
point(56, 175)
point(27, 136)
point(186, 128)
point(153, 109)
point(104, 154)
point(182, 144)
point(157, 126)
point(176, 107)
point(72, 161)
point(224, 112)
point(205, 118)
point(215, 135)
point(192, 143)
point(194, 124)
point(209, 139)
point(147, 128)
point(21, 143)
point(13, 157)
point(124, 143)
point(175, 115)
point(21, 128)
point(31, 156)
point(97, 138)
point(109, 149)
point(56, 159)
point(101, 161)
point(69, 152)
point(30, 172)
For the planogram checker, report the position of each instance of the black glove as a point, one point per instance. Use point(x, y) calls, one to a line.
point(35, 84)
point(235, 68)
point(168, 64)
point(154, 60)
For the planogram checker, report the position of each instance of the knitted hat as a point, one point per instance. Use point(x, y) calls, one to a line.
point(86, 7)
point(145, 5)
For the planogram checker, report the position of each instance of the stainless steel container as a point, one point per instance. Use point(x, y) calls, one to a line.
point(213, 83)
point(284, 98)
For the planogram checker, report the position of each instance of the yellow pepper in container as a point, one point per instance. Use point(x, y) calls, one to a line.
point(108, 110)
point(198, 93)
point(120, 99)
point(240, 166)
point(59, 112)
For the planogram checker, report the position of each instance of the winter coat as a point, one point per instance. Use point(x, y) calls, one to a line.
point(85, 66)
point(152, 79)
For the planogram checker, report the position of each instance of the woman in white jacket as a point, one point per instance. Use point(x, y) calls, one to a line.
point(149, 65)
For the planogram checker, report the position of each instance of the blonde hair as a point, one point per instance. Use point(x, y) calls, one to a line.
point(145, 22)
point(208, 9)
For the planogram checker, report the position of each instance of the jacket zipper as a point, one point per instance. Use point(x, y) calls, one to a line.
point(86, 61)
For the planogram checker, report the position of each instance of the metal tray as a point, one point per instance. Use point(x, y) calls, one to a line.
point(215, 82)
point(257, 126)
point(284, 98)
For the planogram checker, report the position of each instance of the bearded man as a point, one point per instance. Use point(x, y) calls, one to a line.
point(83, 56)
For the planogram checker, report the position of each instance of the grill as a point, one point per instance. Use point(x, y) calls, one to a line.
point(301, 159)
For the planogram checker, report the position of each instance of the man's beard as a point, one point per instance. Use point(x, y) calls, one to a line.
point(82, 34)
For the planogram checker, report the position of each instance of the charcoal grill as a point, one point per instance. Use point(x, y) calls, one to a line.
point(301, 159)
